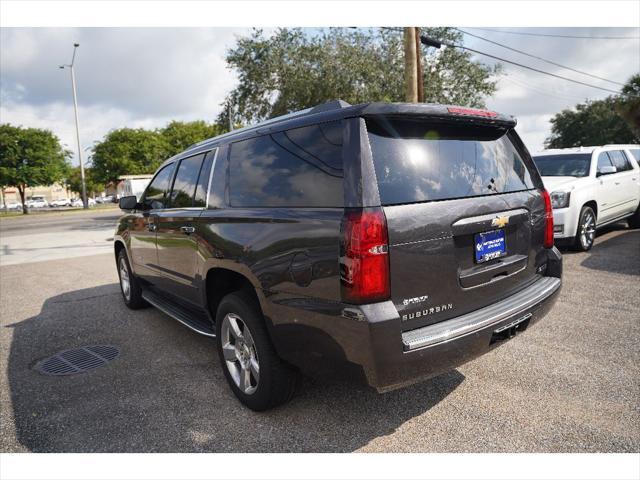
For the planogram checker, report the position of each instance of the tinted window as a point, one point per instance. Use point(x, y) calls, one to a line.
point(569, 165)
point(604, 161)
point(636, 153)
point(297, 168)
point(184, 186)
point(200, 199)
point(619, 160)
point(416, 161)
point(156, 192)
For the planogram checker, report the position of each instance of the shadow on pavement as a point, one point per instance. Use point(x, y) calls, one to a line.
point(166, 392)
point(612, 254)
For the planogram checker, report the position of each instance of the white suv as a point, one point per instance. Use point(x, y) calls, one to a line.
point(37, 202)
point(591, 187)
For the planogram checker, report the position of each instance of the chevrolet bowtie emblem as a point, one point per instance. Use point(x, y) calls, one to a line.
point(499, 222)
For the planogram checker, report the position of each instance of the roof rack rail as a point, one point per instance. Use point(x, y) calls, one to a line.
point(324, 107)
point(331, 105)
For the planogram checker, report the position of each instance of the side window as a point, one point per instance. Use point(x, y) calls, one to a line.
point(184, 186)
point(636, 154)
point(200, 199)
point(156, 192)
point(301, 167)
point(619, 160)
point(603, 161)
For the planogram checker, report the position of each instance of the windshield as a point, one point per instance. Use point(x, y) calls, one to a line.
point(574, 165)
point(417, 160)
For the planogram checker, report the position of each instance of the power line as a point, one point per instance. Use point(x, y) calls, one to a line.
point(434, 43)
point(553, 35)
point(539, 58)
point(518, 81)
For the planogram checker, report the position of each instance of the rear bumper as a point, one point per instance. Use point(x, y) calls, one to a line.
point(437, 348)
point(320, 337)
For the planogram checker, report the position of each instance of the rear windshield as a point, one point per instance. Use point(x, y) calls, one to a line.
point(416, 161)
point(573, 165)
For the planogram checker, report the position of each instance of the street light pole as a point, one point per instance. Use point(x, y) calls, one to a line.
point(85, 204)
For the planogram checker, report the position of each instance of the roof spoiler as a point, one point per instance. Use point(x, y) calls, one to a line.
point(442, 112)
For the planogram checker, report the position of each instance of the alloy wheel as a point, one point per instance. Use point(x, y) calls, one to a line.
point(240, 354)
point(125, 283)
point(587, 229)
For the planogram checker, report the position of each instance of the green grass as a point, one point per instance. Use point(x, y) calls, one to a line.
point(4, 214)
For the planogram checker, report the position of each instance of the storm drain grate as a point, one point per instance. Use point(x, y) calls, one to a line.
point(77, 360)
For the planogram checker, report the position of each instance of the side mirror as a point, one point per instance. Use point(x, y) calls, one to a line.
point(606, 170)
point(128, 203)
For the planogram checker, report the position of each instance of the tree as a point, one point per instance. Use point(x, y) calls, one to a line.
point(73, 181)
point(181, 135)
point(128, 151)
point(291, 71)
point(615, 119)
point(628, 104)
point(30, 157)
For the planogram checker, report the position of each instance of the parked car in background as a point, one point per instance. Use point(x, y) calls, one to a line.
point(77, 202)
point(37, 202)
point(395, 241)
point(591, 187)
point(14, 206)
point(61, 202)
point(105, 199)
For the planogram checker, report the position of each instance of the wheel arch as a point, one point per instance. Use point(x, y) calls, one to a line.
point(118, 245)
point(221, 281)
point(594, 206)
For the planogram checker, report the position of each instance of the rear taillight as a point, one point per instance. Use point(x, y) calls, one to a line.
point(364, 256)
point(548, 220)
point(471, 111)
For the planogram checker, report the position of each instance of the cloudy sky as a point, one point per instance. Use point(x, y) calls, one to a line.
point(145, 77)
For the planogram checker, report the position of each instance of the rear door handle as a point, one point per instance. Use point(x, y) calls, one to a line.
point(617, 183)
point(188, 230)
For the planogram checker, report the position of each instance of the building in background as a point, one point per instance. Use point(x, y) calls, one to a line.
point(56, 191)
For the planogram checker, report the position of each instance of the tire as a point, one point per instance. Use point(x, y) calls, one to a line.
point(586, 231)
point(129, 284)
point(242, 338)
point(634, 220)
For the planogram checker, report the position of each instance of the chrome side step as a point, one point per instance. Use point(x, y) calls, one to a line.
point(178, 313)
point(470, 322)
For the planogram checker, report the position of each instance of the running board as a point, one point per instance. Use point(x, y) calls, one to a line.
point(184, 316)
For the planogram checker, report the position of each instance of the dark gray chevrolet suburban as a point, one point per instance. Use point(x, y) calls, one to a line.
point(391, 241)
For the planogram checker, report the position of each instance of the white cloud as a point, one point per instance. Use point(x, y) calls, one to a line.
point(533, 97)
point(145, 77)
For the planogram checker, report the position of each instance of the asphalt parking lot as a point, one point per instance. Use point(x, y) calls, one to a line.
point(569, 384)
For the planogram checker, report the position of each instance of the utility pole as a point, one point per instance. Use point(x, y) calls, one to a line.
point(410, 70)
point(229, 115)
point(75, 109)
point(419, 70)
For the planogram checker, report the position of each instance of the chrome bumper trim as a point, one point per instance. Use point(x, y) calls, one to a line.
point(470, 322)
